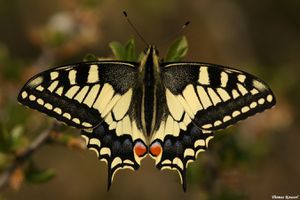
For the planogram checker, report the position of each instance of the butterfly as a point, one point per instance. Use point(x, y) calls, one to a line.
point(128, 110)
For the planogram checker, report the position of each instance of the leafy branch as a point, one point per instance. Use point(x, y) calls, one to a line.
point(25, 155)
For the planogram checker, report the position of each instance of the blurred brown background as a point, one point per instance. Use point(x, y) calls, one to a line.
point(255, 159)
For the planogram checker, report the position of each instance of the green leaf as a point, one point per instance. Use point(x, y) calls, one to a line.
point(41, 176)
point(35, 175)
point(118, 50)
point(124, 52)
point(177, 50)
point(11, 141)
point(18, 140)
point(17, 132)
point(140, 56)
point(131, 55)
point(90, 57)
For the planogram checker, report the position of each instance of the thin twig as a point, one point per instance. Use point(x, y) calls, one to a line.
point(25, 155)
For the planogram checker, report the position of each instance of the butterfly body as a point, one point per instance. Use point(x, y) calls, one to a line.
point(127, 110)
point(150, 75)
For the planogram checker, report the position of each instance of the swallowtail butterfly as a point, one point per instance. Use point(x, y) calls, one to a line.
point(128, 110)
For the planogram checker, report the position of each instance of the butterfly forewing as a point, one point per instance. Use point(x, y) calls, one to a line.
point(80, 95)
point(213, 96)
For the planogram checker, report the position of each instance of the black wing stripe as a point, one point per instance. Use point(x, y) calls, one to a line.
point(214, 76)
point(64, 81)
point(81, 75)
point(46, 80)
point(232, 80)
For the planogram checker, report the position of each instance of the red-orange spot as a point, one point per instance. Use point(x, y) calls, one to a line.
point(155, 149)
point(140, 149)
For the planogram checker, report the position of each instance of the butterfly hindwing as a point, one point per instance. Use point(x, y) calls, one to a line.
point(179, 151)
point(214, 96)
point(80, 95)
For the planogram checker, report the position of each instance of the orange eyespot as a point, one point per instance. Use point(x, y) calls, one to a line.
point(140, 149)
point(155, 149)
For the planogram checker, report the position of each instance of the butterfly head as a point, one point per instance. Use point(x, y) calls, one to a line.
point(150, 59)
point(151, 50)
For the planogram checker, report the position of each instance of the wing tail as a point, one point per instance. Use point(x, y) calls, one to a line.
point(117, 151)
point(178, 151)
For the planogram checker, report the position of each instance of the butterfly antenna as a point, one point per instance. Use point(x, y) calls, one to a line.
point(135, 30)
point(184, 26)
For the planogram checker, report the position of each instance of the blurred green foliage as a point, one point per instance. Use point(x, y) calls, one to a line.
point(90, 57)
point(177, 50)
point(34, 174)
point(126, 52)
